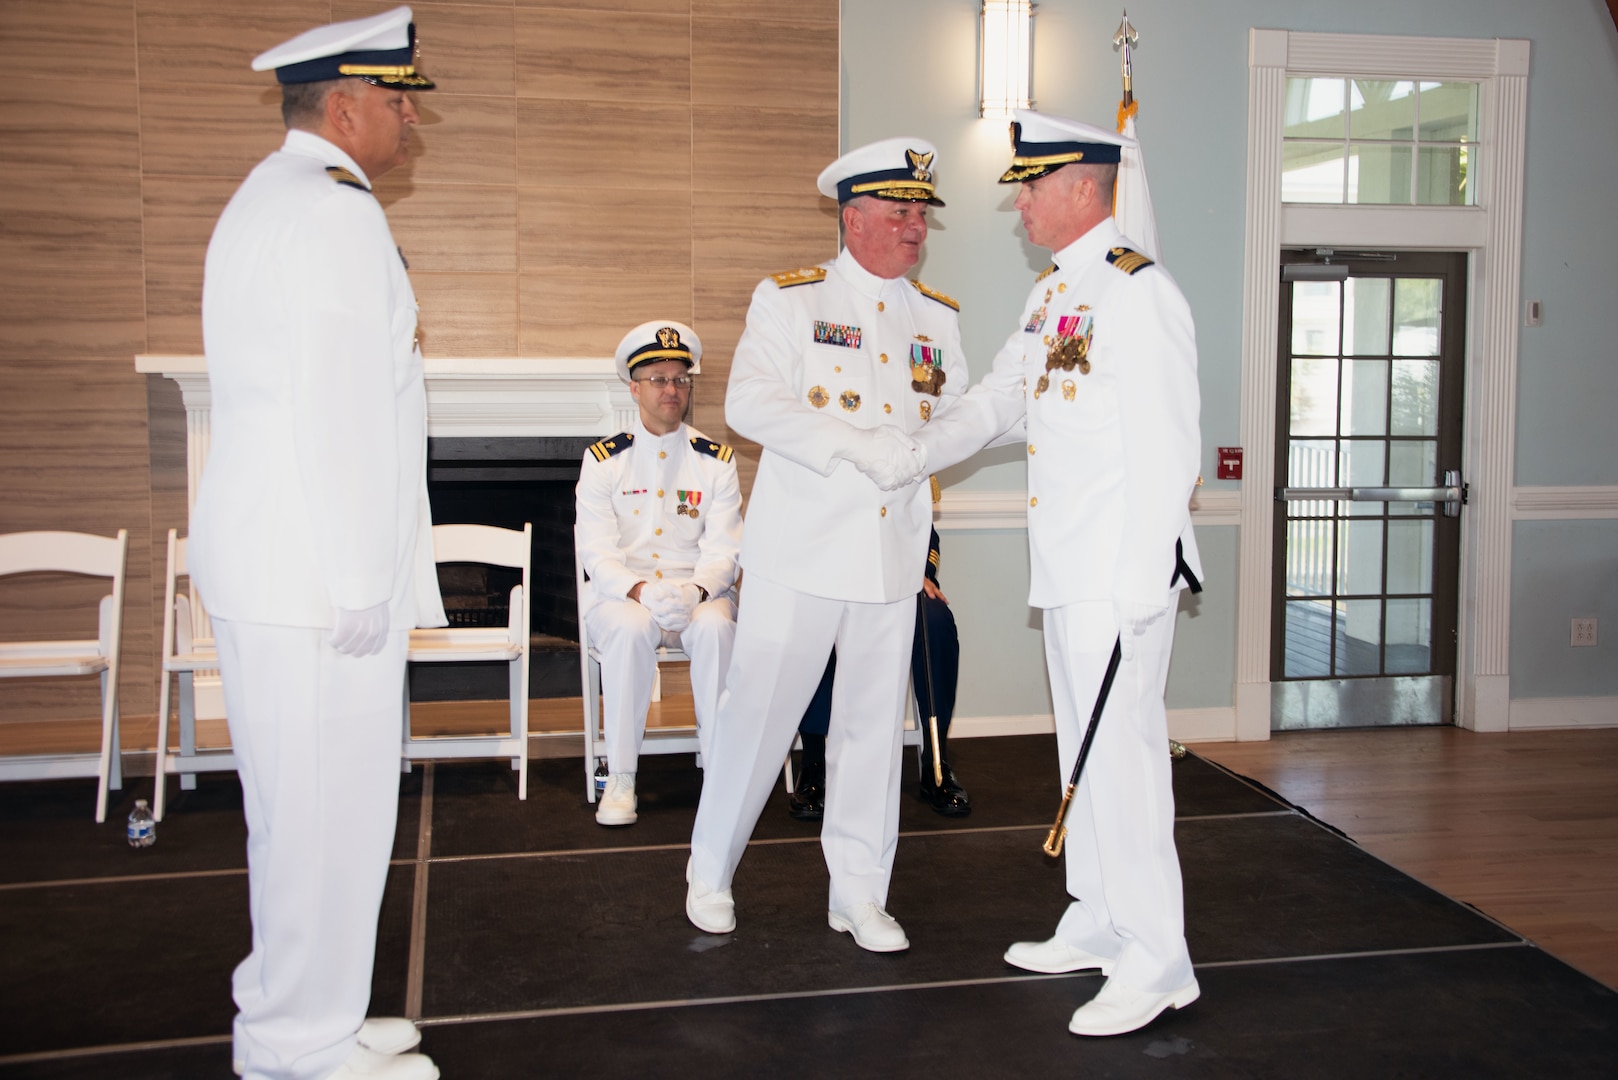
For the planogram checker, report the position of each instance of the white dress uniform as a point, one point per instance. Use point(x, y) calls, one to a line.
point(657, 508)
point(314, 499)
point(831, 559)
point(1113, 453)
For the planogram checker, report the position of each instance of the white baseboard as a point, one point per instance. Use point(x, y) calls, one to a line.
point(1530, 714)
point(1186, 725)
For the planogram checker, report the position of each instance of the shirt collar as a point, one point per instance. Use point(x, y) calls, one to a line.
point(308, 144)
point(1084, 250)
point(638, 429)
point(863, 281)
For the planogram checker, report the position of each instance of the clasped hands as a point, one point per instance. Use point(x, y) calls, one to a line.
point(670, 604)
point(889, 457)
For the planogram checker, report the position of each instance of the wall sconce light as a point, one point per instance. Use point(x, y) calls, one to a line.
point(1005, 67)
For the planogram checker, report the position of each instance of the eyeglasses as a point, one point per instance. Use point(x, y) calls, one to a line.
point(663, 382)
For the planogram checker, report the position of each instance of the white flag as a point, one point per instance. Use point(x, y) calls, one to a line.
point(1132, 200)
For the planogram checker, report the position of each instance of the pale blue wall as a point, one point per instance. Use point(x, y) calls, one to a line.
point(909, 68)
point(1561, 570)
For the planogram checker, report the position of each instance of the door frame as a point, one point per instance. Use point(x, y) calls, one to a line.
point(1490, 233)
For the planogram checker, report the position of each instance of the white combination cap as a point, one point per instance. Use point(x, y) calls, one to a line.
point(899, 169)
point(1041, 144)
point(380, 49)
point(659, 340)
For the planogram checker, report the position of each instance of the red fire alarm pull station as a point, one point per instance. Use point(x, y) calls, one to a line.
point(1230, 463)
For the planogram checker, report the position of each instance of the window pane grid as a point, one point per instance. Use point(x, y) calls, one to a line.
point(1379, 142)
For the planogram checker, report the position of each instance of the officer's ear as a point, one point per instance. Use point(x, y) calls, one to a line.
point(342, 106)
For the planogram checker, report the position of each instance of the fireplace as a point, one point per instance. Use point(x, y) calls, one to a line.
point(505, 438)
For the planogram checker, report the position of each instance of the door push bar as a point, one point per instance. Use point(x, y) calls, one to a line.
point(1453, 494)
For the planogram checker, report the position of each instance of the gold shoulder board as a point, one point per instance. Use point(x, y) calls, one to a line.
point(804, 275)
point(1045, 273)
point(346, 178)
point(712, 449)
point(614, 444)
point(933, 294)
point(1130, 262)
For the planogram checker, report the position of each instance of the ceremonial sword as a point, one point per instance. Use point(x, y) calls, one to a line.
point(1058, 833)
point(932, 699)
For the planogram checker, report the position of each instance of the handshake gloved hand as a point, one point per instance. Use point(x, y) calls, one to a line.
point(889, 457)
point(670, 604)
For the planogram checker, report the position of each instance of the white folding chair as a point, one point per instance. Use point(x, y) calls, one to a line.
point(457, 645)
point(183, 655)
point(662, 740)
point(72, 553)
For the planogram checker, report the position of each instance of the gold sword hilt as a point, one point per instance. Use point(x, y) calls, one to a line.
point(1058, 833)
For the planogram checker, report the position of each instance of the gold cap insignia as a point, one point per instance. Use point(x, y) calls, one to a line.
point(920, 166)
point(668, 337)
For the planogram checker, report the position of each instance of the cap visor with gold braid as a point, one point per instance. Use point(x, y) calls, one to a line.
point(380, 49)
point(900, 170)
point(1042, 144)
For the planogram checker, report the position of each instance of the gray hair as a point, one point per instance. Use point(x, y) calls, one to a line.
point(303, 105)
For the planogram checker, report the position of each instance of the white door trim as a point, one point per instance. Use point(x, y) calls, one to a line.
point(1492, 233)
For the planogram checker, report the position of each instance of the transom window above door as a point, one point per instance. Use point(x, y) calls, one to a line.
point(1390, 142)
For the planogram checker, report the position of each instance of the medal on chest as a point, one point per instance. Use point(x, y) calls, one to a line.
point(926, 369)
point(688, 502)
point(1071, 345)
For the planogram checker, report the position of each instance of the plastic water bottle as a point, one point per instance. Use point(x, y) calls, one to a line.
point(142, 828)
point(600, 778)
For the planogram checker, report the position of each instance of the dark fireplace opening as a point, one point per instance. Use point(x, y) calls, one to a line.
point(505, 482)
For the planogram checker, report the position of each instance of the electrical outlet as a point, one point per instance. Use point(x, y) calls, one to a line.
point(1584, 632)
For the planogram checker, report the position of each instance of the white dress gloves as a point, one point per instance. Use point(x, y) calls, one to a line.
point(889, 457)
point(671, 604)
point(359, 633)
point(1134, 618)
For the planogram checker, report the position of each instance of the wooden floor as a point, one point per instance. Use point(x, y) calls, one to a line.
point(1523, 826)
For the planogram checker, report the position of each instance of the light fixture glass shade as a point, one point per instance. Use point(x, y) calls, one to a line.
point(1006, 63)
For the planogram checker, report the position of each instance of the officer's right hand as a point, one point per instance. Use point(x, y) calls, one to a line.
point(359, 633)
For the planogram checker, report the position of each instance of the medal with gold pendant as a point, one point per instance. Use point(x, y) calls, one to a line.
point(688, 503)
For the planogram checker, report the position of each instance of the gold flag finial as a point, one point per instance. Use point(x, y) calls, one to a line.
point(1124, 41)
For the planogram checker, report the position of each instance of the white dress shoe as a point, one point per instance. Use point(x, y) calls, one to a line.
point(618, 802)
point(379, 1034)
point(1054, 957)
point(874, 930)
point(374, 1066)
point(1119, 1009)
point(708, 909)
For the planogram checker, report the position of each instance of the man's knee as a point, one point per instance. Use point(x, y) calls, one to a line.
point(625, 624)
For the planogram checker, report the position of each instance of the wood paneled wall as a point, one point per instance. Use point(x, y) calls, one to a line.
point(584, 166)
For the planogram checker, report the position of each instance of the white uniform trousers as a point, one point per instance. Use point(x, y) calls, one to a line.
point(316, 738)
point(783, 638)
point(1122, 869)
point(626, 638)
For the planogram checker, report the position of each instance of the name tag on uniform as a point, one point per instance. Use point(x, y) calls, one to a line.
point(827, 333)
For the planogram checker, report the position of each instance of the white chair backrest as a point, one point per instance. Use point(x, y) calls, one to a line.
point(482, 544)
point(67, 552)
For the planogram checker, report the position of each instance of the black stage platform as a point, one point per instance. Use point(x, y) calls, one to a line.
point(532, 942)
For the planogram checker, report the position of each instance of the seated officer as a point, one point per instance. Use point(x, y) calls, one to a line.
point(658, 528)
point(939, 649)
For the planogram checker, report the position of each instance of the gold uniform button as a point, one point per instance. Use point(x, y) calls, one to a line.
point(659, 493)
point(1030, 450)
point(884, 358)
point(884, 511)
point(880, 306)
point(662, 454)
point(659, 573)
point(1034, 501)
point(659, 531)
point(1062, 287)
point(637, 513)
point(887, 408)
point(839, 367)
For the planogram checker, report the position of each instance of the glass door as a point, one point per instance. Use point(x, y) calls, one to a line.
point(1367, 526)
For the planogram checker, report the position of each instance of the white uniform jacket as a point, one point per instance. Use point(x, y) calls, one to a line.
point(314, 495)
point(658, 508)
point(827, 350)
point(1113, 453)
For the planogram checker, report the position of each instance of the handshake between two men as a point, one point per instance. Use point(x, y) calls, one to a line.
point(889, 457)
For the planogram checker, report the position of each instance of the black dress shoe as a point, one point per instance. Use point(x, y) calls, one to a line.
point(948, 798)
point(808, 801)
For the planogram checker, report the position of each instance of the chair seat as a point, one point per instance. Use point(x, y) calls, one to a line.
point(27, 658)
point(458, 645)
point(192, 661)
